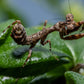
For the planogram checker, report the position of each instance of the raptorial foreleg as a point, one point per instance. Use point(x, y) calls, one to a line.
point(72, 37)
point(81, 23)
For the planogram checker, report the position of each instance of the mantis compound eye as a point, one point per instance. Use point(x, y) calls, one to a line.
point(69, 17)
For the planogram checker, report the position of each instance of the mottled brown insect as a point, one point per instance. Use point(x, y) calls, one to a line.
point(64, 28)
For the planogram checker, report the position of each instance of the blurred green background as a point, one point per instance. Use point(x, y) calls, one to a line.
point(35, 12)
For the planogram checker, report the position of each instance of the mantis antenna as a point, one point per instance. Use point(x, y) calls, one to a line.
point(69, 6)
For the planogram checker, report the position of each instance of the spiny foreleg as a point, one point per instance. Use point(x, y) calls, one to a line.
point(75, 36)
point(72, 37)
point(81, 23)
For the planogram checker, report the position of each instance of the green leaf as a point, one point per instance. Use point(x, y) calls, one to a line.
point(11, 80)
point(50, 76)
point(33, 69)
point(7, 80)
point(77, 48)
point(74, 78)
point(7, 49)
point(13, 56)
point(4, 35)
